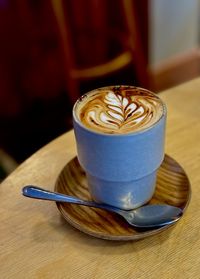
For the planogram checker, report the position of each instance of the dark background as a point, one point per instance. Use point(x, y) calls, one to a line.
point(35, 102)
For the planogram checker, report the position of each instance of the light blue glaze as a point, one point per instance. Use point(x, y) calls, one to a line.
point(121, 169)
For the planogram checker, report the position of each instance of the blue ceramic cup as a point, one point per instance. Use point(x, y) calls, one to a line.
point(121, 169)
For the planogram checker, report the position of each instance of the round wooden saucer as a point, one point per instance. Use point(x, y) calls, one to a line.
point(172, 188)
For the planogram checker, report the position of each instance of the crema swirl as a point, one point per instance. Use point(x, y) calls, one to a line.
point(119, 110)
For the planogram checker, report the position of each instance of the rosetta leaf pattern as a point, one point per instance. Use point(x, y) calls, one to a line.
point(119, 107)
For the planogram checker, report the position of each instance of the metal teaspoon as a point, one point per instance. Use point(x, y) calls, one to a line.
point(147, 216)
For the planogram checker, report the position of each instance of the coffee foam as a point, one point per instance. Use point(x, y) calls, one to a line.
point(119, 110)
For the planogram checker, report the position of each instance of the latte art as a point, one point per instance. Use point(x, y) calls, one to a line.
point(119, 110)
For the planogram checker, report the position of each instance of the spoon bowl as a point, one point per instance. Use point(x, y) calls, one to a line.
point(144, 217)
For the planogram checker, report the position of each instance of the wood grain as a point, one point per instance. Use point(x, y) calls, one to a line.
point(172, 188)
point(37, 243)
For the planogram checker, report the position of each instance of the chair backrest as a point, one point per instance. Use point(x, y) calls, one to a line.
point(99, 37)
point(88, 22)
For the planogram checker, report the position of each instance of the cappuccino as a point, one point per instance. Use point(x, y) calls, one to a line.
point(119, 109)
point(120, 132)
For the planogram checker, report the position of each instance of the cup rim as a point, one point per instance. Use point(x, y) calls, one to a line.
point(75, 117)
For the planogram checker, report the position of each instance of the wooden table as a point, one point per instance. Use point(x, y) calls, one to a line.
point(35, 242)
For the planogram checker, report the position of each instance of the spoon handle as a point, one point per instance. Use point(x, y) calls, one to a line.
point(42, 194)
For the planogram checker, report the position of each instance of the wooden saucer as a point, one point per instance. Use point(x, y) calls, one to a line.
point(172, 187)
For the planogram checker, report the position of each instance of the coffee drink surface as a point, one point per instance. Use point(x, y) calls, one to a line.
point(119, 109)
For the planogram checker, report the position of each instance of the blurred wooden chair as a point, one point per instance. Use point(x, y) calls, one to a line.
point(94, 46)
